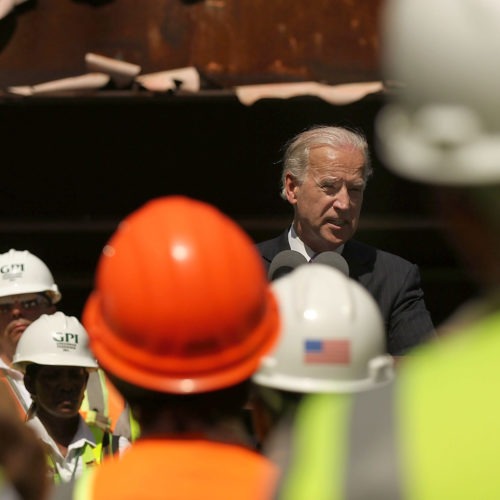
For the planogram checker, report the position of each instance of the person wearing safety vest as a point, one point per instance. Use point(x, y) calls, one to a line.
point(337, 349)
point(54, 356)
point(179, 319)
point(27, 290)
point(434, 433)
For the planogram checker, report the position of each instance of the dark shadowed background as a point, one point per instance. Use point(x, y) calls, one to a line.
point(74, 164)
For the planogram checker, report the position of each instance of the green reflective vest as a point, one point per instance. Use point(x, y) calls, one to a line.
point(106, 444)
point(95, 408)
point(434, 434)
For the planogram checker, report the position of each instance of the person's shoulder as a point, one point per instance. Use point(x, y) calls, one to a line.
point(270, 247)
point(370, 252)
point(270, 242)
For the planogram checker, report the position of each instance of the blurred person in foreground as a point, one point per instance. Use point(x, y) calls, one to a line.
point(332, 341)
point(179, 319)
point(325, 173)
point(434, 432)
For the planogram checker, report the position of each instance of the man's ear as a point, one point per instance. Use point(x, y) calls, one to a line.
point(291, 186)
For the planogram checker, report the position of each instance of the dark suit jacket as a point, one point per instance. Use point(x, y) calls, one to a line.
point(393, 282)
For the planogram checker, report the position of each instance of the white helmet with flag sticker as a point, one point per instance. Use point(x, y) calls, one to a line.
point(332, 336)
point(54, 339)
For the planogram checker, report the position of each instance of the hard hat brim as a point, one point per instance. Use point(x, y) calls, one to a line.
point(153, 371)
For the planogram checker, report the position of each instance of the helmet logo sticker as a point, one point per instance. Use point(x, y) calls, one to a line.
point(11, 271)
point(330, 351)
point(65, 340)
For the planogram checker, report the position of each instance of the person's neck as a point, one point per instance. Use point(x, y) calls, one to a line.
point(61, 430)
point(311, 243)
point(227, 430)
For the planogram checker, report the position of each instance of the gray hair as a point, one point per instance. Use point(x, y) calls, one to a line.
point(296, 157)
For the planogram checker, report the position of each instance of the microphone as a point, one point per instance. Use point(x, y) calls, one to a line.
point(285, 262)
point(333, 259)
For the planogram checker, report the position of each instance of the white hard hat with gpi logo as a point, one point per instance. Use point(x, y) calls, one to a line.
point(22, 272)
point(54, 339)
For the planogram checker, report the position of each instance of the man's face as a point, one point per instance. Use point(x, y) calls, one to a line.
point(58, 390)
point(328, 203)
point(16, 313)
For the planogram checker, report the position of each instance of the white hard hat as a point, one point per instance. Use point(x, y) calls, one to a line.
point(443, 125)
point(23, 272)
point(332, 337)
point(54, 339)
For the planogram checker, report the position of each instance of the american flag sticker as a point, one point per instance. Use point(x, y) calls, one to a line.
point(333, 351)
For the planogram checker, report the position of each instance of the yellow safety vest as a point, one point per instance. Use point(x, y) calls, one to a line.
point(434, 434)
point(106, 445)
point(96, 409)
point(95, 406)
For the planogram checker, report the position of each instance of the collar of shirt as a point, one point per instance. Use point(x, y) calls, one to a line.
point(298, 245)
point(11, 372)
point(82, 436)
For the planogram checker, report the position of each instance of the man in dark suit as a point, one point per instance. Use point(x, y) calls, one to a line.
point(325, 171)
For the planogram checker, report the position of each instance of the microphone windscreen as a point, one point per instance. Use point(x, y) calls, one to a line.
point(285, 262)
point(333, 259)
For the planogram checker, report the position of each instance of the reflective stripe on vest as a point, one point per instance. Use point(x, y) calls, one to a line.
point(104, 406)
point(127, 426)
point(14, 393)
point(319, 443)
point(331, 434)
point(374, 475)
point(94, 408)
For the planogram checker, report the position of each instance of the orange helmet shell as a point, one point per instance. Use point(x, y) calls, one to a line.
point(181, 303)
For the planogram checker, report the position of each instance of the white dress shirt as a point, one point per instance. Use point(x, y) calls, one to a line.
point(71, 466)
point(298, 245)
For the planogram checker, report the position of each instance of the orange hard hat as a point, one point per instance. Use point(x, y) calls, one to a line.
point(181, 302)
